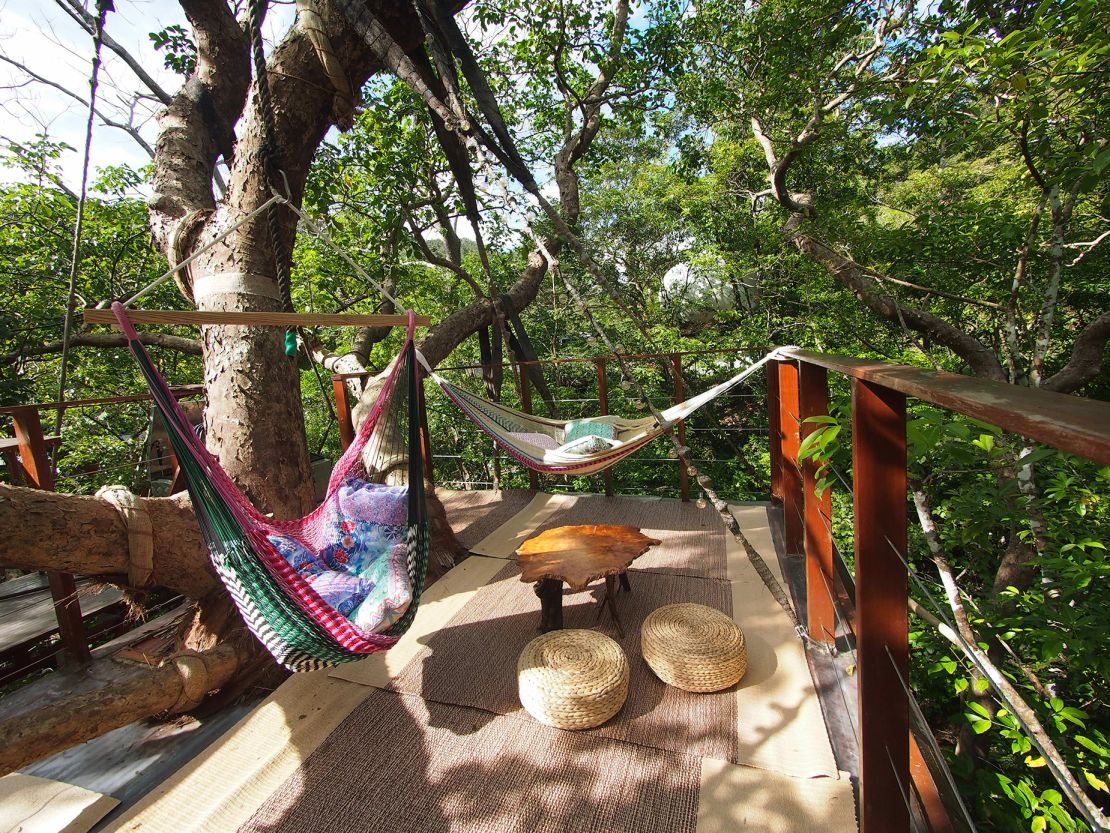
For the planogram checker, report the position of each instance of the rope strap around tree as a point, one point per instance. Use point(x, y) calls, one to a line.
point(140, 534)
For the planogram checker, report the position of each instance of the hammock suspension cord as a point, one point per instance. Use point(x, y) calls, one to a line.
point(102, 9)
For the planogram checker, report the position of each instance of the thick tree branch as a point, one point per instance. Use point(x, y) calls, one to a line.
point(35, 521)
point(850, 274)
point(197, 125)
point(1086, 360)
point(68, 708)
point(189, 346)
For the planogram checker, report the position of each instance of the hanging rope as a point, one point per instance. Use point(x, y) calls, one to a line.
point(102, 9)
point(268, 150)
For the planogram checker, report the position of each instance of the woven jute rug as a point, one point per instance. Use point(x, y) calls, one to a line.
point(474, 514)
point(404, 765)
point(692, 539)
point(472, 660)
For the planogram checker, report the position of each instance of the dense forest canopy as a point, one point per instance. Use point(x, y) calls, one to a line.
point(919, 183)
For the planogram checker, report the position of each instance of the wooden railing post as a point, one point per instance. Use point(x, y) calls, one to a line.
point(63, 587)
point(879, 497)
point(343, 412)
point(790, 429)
point(774, 430)
point(526, 406)
point(820, 578)
point(679, 397)
point(603, 408)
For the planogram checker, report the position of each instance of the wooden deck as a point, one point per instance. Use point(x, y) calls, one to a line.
point(770, 771)
point(27, 613)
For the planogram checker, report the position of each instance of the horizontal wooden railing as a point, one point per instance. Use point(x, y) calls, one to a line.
point(798, 389)
point(27, 458)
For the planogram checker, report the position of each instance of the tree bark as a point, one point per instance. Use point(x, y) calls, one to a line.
point(70, 707)
point(86, 535)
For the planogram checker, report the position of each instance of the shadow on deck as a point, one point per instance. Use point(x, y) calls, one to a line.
point(430, 736)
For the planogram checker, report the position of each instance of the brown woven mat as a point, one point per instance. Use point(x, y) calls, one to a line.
point(475, 514)
point(472, 661)
point(404, 765)
point(693, 540)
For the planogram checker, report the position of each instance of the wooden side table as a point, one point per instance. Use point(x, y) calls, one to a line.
point(578, 555)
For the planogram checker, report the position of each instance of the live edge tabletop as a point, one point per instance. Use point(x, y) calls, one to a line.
point(581, 554)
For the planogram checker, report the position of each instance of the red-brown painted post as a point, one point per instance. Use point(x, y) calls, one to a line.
point(679, 397)
point(63, 587)
point(790, 428)
point(882, 648)
point(343, 412)
point(603, 407)
point(774, 430)
point(820, 578)
point(526, 406)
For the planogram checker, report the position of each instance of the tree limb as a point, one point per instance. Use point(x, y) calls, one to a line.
point(197, 125)
point(87, 21)
point(129, 129)
point(1086, 360)
point(980, 358)
point(188, 346)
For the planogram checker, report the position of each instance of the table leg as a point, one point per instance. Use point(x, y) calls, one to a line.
point(610, 600)
point(550, 592)
point(626, 585)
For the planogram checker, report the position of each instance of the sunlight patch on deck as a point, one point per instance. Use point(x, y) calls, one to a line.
point(732, 798)
point(29, 804)
point(779, 721)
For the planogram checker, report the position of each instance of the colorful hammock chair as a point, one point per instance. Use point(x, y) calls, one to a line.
point(583, 446)
point(343, 581)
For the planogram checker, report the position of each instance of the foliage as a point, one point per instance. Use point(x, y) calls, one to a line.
point(956, 152)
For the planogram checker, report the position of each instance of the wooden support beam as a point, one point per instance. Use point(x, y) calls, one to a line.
point(679, 397)
point(882, 597)
point(254, 319)
point(790, 429)
point(820, 580)
point(603, 405)
point(63, 586)
point(774, 430)
point(343, 412)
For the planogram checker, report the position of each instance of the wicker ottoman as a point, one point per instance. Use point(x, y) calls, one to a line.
point(572, 679)
point(694, 647)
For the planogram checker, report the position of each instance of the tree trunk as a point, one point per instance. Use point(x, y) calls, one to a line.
point(70, 707)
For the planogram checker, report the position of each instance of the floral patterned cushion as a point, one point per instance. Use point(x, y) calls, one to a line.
point(361, 565)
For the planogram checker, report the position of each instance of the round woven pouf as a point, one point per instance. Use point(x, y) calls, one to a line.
point(694, 647)
point(572, 679)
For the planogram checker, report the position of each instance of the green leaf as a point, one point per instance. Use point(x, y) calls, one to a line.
point(979, 709)
point(980, 726)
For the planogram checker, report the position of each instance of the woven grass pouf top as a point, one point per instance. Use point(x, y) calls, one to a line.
point(694, 647)
point(572, 679)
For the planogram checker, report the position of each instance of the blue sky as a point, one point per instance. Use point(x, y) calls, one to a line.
point(40, 35)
